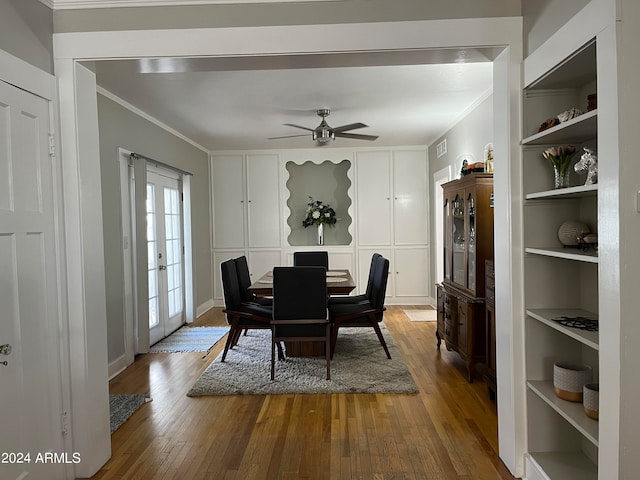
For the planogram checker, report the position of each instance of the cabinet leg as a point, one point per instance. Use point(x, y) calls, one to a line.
point(470, 372)
point(439, 340)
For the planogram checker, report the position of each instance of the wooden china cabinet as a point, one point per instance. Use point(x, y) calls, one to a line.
point(468, 242)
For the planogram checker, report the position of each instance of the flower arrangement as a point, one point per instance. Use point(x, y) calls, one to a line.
point(560, 158)
point(319, 213)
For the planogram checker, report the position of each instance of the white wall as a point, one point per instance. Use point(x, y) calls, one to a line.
point(466, 139)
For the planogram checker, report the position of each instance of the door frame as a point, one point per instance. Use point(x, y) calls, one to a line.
point(439, 178)
point(503, 34)
point(31, 79)
point(135, 288)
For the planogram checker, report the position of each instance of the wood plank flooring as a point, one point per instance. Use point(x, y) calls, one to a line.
point(448, 431)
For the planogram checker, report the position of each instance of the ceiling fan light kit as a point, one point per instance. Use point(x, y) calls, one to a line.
point(323, 133)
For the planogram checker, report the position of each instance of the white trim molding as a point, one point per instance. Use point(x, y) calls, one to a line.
point(82, 4)
point(141, 113)
point(504, 33)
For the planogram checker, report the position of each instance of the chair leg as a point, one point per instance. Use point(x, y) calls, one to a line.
point(334, 336)
point(376, 327)
point(328, 353)
point(236, 336)
point(230, 338)
point(280, 351)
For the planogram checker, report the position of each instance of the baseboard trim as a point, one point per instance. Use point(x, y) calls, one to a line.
point(118, 366)
point(205, 307)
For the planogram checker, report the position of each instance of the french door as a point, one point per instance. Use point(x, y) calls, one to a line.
point(165, 254)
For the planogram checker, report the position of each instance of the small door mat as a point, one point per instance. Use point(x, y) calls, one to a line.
point(190, 339)
point(422, 315)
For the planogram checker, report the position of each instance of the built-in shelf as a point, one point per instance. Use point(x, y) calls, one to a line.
point(588, 256)
point(580, 191)
point(546, 316)
point(572, 412)
point(576, 130)
point(565, 465)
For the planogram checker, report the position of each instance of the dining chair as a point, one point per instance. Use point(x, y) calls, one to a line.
point(300, 309)
point(241, 315)
point(244, 279)
point(311, 259)
point(364, 297)
point(365, 314)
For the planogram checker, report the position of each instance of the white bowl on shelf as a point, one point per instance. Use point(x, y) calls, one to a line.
point(569, 380)
point(591, 400)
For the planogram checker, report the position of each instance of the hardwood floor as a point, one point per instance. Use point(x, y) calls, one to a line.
point(447, 431)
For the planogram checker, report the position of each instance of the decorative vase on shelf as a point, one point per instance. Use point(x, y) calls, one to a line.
point(560, 176)
point(321, 234)
point(560, 158)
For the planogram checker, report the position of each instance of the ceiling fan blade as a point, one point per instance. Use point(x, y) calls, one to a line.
point(351, 126)
point(356, 136)
point(298, 126)
point(288, 136)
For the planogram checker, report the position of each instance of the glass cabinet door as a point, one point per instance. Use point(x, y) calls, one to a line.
point(471, 237)
point(448, 243)
point(458, 233)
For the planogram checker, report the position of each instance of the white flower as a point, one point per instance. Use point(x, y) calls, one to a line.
point(316, 214)
point(328, 215)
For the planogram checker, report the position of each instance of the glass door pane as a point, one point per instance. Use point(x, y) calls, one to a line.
point(448, 242)
point(458, 266)
point(471, 236)
point(173, 247)
point(152, 256)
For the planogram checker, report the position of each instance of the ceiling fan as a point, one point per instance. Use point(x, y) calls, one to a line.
point(324, 134)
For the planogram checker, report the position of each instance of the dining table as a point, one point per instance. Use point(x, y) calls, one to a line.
point(339, 282)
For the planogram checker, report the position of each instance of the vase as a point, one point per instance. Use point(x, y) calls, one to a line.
point(561, 176)
point(321, 234)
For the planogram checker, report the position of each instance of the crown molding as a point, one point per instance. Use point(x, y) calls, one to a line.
point(132, 108)
point(82, 4)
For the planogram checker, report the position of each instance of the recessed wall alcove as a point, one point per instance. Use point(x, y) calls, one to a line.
point(327, 181)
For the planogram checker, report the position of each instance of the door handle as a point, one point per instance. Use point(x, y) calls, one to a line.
point(162, 267)
point(6, 349)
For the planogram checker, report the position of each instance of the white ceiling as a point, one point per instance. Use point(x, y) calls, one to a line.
point(407, 98)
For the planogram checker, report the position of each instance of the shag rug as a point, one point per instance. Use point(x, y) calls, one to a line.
point(121, 407)
point(359, 365)
point(190, 339)
point(422, 315)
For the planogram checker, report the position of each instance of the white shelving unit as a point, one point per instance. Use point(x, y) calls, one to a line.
point(562, 442)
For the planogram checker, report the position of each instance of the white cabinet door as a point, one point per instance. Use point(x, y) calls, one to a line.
point(411, 272)
point(374, 194)
point(410, 196)
point(263, 201)
point(228, 201)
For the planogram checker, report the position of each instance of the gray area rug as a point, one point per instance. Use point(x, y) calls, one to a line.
point(359, 365)
point(121, 407)
point(190, 339)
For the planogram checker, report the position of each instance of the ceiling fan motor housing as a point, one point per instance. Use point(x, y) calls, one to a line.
point(323, 134)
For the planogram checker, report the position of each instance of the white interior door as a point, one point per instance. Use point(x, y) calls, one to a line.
point(165, 255)
point(31, 378)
